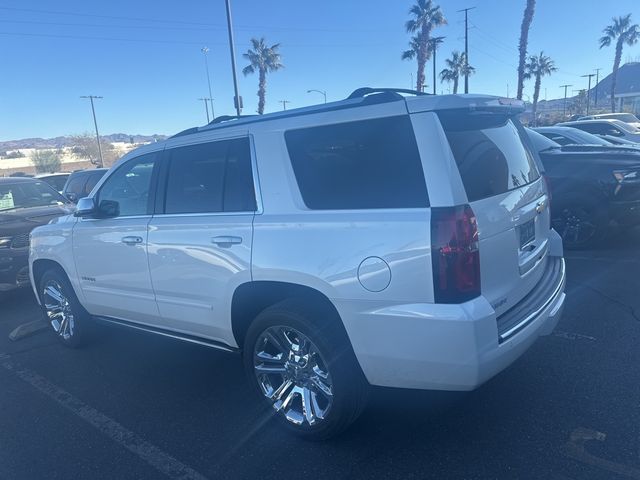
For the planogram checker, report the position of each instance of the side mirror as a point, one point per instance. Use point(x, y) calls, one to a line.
point(72, 197)
point(108, 209)
point(86, 207)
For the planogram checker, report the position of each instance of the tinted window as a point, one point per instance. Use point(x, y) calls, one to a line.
point(28, 194)
point(130, 186)
point(56, 181)
point(75, 184)
point(490, 154)
point(92, 181)
point(210, 177)
point(600, 128)
point(559, 139)
point(358, 165)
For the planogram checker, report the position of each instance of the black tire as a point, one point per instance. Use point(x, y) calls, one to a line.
point(581, 221)
point(73, 328)
point(327, 337)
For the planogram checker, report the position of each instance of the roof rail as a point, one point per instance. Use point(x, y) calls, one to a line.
point(364, 91)
point(227, 118)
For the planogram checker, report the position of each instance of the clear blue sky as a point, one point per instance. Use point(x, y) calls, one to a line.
point(144, 56)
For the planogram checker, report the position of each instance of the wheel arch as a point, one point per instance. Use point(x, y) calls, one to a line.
point(251, 298)
point(42, 265)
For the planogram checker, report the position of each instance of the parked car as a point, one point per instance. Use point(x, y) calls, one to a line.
point(334, 247)
point(592, 186)
point(25, 203)
point(574, 136)
point(56, 180)
point(80, 183)
point(629, 118)
point(618, 141)
point(614, 128)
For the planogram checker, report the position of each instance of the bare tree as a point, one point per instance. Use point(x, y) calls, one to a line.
point(85, 147)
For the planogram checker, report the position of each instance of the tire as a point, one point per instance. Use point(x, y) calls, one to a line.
point(62, 310)
point(317, 363)
point(580, 220)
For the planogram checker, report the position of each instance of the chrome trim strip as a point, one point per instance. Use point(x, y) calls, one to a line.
point(509, 333)
point(166, 333)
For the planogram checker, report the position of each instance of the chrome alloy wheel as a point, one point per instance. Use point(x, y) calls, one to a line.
point(58, 309)
point(292, 375)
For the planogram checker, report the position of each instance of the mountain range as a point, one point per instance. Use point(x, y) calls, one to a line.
point(67, 141)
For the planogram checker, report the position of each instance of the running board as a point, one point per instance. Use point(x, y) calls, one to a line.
point(168, 333)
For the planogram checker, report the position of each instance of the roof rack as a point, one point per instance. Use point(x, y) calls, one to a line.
point(364, 91)
point(227, 118)
point(359, 97)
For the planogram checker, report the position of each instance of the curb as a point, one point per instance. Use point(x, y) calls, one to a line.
point(27, 329)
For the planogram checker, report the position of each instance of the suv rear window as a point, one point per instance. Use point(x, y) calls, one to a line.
point(490, 153)
point(358, 165)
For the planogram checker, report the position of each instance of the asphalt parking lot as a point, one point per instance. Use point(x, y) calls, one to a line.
point(132, 406)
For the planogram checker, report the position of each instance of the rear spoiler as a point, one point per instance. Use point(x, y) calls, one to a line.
point(470, 103)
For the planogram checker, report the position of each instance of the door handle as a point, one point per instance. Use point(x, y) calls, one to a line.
point(226, 240)
point(132, 240)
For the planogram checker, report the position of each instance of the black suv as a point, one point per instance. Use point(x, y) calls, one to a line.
point(591, 186)
point(25, 203)
point(80, 183)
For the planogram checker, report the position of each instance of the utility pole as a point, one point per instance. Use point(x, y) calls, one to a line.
point(466, 47)
point(205, 50)
point(205, 100)
point(590, 76)
point(597, 82)
point(564, 107)
point(284, 104)
point(434, 48)
point(238, 99)
point(507, 90)
point(95, 123)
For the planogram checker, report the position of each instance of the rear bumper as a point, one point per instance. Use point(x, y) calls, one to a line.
point(446, 347)
point(14, 269)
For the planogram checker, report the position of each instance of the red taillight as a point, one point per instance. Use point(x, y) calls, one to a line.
point(455, 254)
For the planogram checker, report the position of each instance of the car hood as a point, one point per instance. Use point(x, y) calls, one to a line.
point(26, 219)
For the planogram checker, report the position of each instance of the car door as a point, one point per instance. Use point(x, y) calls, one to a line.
point(200, 243)
point(111, 253)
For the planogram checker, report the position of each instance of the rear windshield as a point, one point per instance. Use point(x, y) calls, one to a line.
point(490, 153)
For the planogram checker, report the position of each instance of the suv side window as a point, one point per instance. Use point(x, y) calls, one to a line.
point(210, 177)
point(358, 165)
point(74, 184)
point(130, 186)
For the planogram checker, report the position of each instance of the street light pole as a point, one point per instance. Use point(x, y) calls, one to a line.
point(95, 123)
point(206, 108)
point(205, 50)
point(322, 92)
point(597, 82)
point(237, 100)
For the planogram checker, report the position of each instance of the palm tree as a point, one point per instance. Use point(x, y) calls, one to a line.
point(538, 66)
point(432, 48)
point(622, 32)
point(457, 67)
point(524, 40)
point(264, 59)
point(425, 17)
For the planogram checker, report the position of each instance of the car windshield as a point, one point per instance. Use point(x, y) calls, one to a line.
point(28, 194)
point(581, 137)
point(540, 142)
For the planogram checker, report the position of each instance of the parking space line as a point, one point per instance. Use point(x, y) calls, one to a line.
point(146, 451)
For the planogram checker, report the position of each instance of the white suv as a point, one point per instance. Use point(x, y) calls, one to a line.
point(381, 240)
